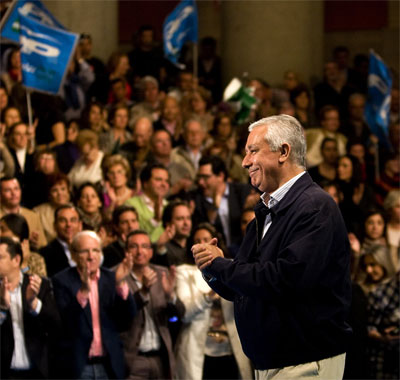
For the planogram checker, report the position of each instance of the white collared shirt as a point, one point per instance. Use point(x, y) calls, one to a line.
point(276, 197)
point(21, 156)
point(20, 359)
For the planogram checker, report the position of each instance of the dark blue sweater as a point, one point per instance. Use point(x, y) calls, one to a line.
point(293, 291)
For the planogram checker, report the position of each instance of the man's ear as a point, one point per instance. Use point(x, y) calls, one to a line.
point(285, 150)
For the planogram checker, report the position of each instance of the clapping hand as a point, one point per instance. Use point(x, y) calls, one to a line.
point(168, 281)
point(5, 299)
point(124, 268)
point(204, 254)
point(32, 290)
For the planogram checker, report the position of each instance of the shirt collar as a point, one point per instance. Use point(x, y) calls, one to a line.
point(276, 196)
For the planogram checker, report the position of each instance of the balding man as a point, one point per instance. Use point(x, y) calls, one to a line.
point(94, 308)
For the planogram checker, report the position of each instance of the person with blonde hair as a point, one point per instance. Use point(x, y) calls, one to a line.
point(88, 166)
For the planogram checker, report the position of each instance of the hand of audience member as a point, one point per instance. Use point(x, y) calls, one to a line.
point(34, 239)
point(110, 192)
point(165, 237)
point(158, 208)
point(32, 290)
point(5, 298)
point(85, 275)
point(149, 278)
point(168, 282)
point(355, 245)
point(124, 267)
point(204, 254)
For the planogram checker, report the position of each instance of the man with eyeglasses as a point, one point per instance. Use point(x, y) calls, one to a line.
point(147, 344)
point(95, 305)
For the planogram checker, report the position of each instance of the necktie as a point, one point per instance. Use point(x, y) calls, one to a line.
point(261, 212)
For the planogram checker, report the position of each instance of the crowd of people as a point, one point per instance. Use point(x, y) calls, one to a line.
point(105, 192)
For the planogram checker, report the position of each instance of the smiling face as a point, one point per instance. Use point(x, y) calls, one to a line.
point(158, 185)
point(182, 220)
point(10, 193)
point(262, 164)
point(375, 271)
point(59, 194)
point(67, 224)
point(140, 246)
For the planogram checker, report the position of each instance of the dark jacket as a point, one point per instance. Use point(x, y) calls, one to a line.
point(238, 193)
point(115, 316)
point(292, 292)
point(38, 329)
point(55, 257)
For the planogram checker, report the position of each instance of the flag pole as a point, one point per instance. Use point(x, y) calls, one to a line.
point(195, 61)
point(29, 104)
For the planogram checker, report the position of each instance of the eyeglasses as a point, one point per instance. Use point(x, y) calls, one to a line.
point(134, 247)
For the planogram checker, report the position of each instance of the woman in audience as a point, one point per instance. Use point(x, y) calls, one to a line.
point(89, 201)
point(111, 140)
point(58, 193)
point(118, 67)
point(88, 167)
point(357, 195)
point(301, 99)
point(13, 73)
point(93, 118)
point(198, 102)
point(208, 346)
point(374, 267)
point(116, 174)
point(10, 116)
point(392, 207)
point(16, 226)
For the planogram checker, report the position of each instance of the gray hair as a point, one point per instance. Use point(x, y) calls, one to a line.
point(391, 199)
point(79, 235)
point(284, 129)
point(197, 119)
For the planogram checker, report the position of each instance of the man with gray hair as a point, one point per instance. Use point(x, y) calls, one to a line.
point(189, 153)
point(290, 281)
point(95, 305)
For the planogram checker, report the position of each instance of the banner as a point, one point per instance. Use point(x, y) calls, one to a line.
point(180, 26)
point(377, 107)
point(45, 54)
point(33, 9)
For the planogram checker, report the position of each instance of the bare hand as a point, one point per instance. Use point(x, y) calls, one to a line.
point(5, 298)
point(124, 268)
point(158, 208)
point(149, 278)
point(354, 244)
point(204, 254)
point(168, 281)
point(166, 236)
point(84, 274)
point(32, 290)
point(34, 238)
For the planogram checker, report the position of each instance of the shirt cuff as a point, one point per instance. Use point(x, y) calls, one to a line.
point(173, 299)
point(123, 290)
point(82, 298)
point(38, 308)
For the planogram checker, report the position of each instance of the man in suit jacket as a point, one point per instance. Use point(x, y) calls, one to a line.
point(18, 144)
point(57, 253)
point(28, 317)
point(219, 202)
point(290, 282)
point(147, 344)
point(94, 308)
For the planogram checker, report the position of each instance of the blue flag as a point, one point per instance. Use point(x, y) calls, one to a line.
point(45, 54)
point(29, 8)
point(180, 26)
point(378, 103)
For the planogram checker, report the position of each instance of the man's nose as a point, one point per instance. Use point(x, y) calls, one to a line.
point(245, 162)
